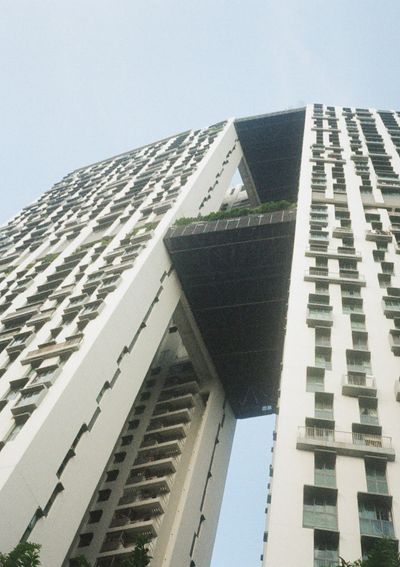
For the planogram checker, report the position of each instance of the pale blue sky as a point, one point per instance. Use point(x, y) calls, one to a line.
point(85, 79)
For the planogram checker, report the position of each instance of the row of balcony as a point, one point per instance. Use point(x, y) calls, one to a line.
point(314, 274)
point(351, 443)
point(125, 541)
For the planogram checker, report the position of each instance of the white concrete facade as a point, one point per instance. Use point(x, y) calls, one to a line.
point(336, 319)
point(107, 246)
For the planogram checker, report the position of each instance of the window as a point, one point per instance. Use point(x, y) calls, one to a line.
point(319, 508)
point(326, 549)
point(13, 432)
point(322, 336)
point(350, 291)
point(360, 340)
point(126, 440)
point(375, 471)
point(315, 379)
point(323, 406)
point(368, 411)
point(387, 267)
point(323, 357)
point(85, 539)
point(322, 288)
point(358, 361)
point(321, 262)
point(133, 424)
point(10, 395)
point(375, 516)
point(119, 457)
point(324, 469)
point(95, 516)
point(357, 321)
point(103, 495)
point(112, 475)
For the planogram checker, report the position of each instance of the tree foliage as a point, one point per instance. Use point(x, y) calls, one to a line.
point(26, 554)
point(268, 207)
point(140, 555)
point(80, 561)
point(384, 554)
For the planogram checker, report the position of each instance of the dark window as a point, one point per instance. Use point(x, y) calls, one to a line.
point(95, 516)
point(119, 457)
point(85, 539)
point(103, 495)
point(112, 475)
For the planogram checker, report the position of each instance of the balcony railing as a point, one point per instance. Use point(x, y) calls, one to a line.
point(358, 385)
point(376, 528)
point(344, 276)
point(344, 442)
point(50, 350)
point(379, 235)
point(165, 479)
point(121, 543)
point(130, 520)
point(326, 562)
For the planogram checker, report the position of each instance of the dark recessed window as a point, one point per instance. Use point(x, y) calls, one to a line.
point(85, 539)
point(95, 516)
point(112, 475)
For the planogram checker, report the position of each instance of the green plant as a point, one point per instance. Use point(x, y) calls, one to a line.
point(148, 226)
point(80, 561)
point(49, 258)
point(25, 554)
point(140, 555)
point(383, 554)
point(239, 212)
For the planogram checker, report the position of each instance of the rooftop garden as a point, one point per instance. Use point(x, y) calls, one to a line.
point(269, 207)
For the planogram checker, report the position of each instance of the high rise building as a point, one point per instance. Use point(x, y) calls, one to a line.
point(149, 300)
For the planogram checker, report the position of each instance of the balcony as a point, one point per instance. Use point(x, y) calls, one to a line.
point(46, 376)
point(125, 541)
point(136, 518)
point(164, 434)
point(376, 528)
point(358, 384)
point(159, 453)
point(175, 380)
point(52, 349)
point(339, 253)
point(178, 403)
point(18, 343)
point(391, 306)
point(153, 470)
point(343, 277)
point(144, 498)
point(397, 390)
point(319, 316)
point(191, 387)
point(41, 317)
point(354, 444)
point(379, 235)
point(342, 231)
point(21, 315)
point(158, 479)
point(29, 401)
point(91, 310)
point(169, 419)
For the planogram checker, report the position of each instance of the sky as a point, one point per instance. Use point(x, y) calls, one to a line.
point(82, 80)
